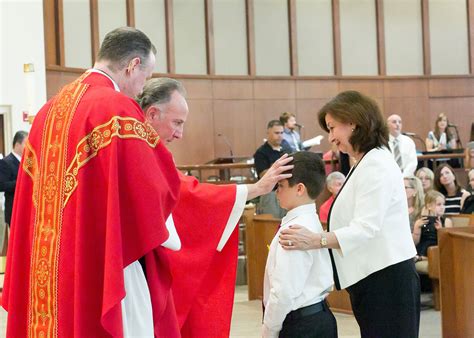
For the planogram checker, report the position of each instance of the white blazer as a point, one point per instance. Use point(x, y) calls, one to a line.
point(370, 219)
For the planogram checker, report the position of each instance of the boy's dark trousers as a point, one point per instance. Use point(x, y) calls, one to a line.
point(314, 321)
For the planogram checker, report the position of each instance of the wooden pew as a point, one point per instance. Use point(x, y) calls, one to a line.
point(456, 268)
point(433, 257)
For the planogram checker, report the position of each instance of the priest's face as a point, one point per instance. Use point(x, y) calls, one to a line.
point(168, 118)
point(136, 74)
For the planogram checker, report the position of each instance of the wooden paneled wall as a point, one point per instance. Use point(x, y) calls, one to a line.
point(240, 108)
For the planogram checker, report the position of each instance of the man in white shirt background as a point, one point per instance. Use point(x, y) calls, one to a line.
point(403, 148)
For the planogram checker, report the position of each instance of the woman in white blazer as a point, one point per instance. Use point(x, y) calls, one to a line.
point(368, 227)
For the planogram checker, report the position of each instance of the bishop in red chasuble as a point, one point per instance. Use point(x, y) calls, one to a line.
point(95, 187)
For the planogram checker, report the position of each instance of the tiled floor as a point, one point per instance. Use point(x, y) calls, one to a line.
point(246, 320)
point(247, 316)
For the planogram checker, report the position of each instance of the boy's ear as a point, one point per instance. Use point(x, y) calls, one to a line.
point(300, 189)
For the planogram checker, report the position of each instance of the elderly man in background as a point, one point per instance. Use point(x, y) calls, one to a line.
point(403, 148)
point(205, 217)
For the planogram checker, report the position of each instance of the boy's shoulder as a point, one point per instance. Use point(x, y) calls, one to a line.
point(309, 221)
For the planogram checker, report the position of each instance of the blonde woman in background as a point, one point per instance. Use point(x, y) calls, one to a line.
point(415, 198)
point(426, 176)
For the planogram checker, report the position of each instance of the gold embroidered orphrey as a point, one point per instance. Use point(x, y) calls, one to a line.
point(42, 321)
point(100, 137)
point(53, 185)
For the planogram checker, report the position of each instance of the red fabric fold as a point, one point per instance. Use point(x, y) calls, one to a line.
point(203, 278)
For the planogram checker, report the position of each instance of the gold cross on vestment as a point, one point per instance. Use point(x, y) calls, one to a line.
point(55, 145)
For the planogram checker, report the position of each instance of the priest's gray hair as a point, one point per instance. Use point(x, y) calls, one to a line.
point(159, 91)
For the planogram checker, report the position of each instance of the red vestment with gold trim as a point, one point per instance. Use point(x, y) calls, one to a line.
point(94, 190)
point(203, 278)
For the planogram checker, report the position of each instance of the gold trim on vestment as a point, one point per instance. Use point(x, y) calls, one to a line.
point(101, 137)
point(49, 187)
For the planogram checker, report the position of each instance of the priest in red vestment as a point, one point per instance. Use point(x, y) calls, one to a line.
point(205, 217)
point(95, 187)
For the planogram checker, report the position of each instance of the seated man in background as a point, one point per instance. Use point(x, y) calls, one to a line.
point(334, 182)
point(402, 147)
point(205, 218)
point(290, 135)
point(264, 157)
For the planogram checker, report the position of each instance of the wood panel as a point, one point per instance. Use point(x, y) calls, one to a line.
point(336, 31)
point(51, 51)
point(232, 89)
point(232, 118)
point(293, 37)
point(250, 37)
point(380, 36)
point(470, 25)
point(259, 234)
point(456, 249)
point(372, 88)
point(316, 89)
point(425, 20)
point(241, 108)
point(274, 89)
point(209, 22)
point(451, 87)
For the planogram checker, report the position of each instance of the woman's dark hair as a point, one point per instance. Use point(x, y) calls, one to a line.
point(437, 132)
point(437, 181)
point(309, 170)
point(370, 127)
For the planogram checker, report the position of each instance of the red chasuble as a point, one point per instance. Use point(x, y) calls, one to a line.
point(203, 278)
point(93, 193)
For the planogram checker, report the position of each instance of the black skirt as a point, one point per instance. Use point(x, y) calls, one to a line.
point(387, 302)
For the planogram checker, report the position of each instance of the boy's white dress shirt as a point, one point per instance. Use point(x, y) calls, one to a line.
point(294, 278)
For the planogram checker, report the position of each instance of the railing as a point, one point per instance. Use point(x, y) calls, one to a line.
point(225, 173)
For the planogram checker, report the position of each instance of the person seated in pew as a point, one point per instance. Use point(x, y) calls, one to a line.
point(296, 283)
point(441, 138)
point(425, 228)
point(415, 198)
point(470, 176)
point(446, 183)
point(334, 183)
point(426, 175)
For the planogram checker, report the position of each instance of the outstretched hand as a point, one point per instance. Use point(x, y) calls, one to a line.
point(271, 177)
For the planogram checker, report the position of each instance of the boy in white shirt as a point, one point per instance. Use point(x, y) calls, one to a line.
point(297, 282)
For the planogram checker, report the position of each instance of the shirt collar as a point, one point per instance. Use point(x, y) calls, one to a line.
point(298, 211)
point(18, 157)
point(98, 71)
point(392, 139)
